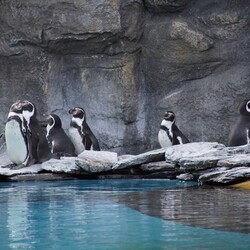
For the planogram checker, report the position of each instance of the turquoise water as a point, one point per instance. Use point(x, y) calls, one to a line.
point(124, 214)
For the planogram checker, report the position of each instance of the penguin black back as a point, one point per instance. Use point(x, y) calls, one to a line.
point(40, 149)
point(61, 145)
point(240, 133)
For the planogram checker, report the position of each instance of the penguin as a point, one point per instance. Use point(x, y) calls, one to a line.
point(16, 139)
point(39, 149)
point(169, 134)
point(80, 133)
point(240, 133)
point(61, 145)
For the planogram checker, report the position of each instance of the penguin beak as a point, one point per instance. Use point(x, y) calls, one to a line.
point(71, 111)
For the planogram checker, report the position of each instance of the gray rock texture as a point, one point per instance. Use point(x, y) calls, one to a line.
point(226, 176)
point(126, 63)
point(205, 162)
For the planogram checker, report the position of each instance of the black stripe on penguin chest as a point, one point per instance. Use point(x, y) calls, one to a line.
point(169, 134)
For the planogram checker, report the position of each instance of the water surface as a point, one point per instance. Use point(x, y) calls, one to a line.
point(122, 214)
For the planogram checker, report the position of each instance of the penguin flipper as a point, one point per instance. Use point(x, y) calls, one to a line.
point(43, 151)
point(31, 158)
point(179, 137)
point(87, 142)
point(91, 138)
point(95, 143)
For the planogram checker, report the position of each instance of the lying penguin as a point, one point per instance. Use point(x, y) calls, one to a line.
point(80, 133)
point(25, 139)
point(240, 133)
point(169, 134)
point(60, 143)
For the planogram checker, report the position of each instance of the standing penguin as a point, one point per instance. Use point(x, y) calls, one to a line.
point(169, 133)
point(240, 134)
point(38, 144)
point(60, 142)
point(17, 144)
point(80, 133)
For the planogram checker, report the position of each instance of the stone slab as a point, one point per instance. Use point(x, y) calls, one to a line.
point(158, 166)
point(93, 167)
point(226, 176)
point(98, 156)
point(151, 156)
point(63, 165)
point(194, 150)
point(235, 161)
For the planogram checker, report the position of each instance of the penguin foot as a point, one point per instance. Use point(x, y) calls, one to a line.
point(16, 167)
point(10, 166)
point(13, 166)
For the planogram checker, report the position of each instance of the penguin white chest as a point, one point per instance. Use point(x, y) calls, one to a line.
point(15, 143)
point(164, 139)
point(76, 139)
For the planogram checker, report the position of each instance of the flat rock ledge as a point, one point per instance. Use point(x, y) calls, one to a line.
point(206, 162)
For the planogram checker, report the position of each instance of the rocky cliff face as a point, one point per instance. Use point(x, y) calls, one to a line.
point(126, 63)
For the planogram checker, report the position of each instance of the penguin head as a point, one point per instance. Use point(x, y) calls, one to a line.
point(78, 112)
point(54, 121)
point(169, 116)
point(168, 119)
point(28, 110)
point(245, 108)
point(15, 109)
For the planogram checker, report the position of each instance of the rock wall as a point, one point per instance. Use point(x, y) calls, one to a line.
point(126, 62)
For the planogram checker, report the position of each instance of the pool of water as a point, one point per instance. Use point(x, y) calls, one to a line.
point(122, 214)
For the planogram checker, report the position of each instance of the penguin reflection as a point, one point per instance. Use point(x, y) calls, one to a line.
point(169, 134)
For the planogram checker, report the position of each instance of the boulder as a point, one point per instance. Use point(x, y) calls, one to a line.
point(244, 149)
point(93, 166)
point(226, 176)
point(235, 161)
point(194, 150)
point(185, 177)
point(193, 164)
point(64, 165)
point(151, 156)
point(40, 177)
point(158, 166)
point(98, 156)
point(33, 169)
point(207, 162)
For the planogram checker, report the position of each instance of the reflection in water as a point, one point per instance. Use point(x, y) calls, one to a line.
point(208, 207)
point(17, 217)
point(91, 215)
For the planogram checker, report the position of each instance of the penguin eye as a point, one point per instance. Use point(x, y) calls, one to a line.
point(248, 106)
